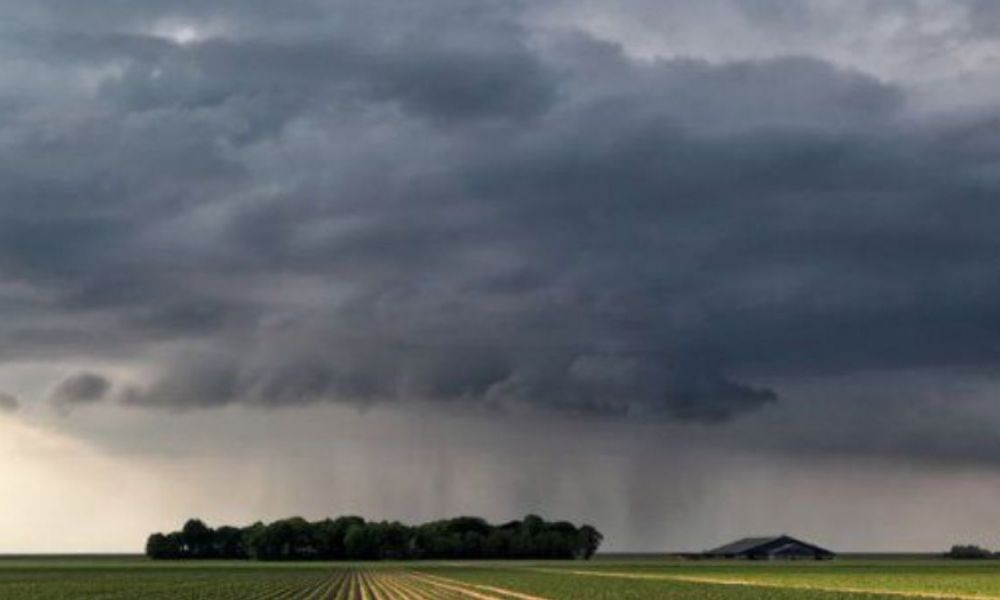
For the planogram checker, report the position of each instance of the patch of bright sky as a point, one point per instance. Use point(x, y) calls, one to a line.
point(185, 33)
point(928, 47)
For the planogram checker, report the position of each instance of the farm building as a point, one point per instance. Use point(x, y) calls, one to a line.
point(770, 548)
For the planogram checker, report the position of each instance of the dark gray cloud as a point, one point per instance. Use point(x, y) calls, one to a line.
point(80, 389)
point(348, 202)
point(9, 403)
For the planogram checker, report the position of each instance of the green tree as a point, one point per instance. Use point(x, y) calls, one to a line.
point(160, 546)
point(359, 543)
point(353, 538)
point(197, 539)
point(228, 542)
point(589, 541)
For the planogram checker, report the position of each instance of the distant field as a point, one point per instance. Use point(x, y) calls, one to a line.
point(608, 579)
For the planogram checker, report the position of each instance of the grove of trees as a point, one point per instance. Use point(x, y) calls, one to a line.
point(354, 538)
point(969, 552)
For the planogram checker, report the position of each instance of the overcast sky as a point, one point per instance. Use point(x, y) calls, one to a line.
point(686, 270)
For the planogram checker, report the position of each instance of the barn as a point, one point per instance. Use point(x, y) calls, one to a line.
point(770, 548)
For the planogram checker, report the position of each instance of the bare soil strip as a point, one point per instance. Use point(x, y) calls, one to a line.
point(386, 587)
point(380, 590)
point(487, 588)
point(473, 589)
point(355, 592)
point(377, 587)
point(455, 587)
point(424, 591)
point(417, 590)
point(432, 591)
point(363, 585)
point(396, 586)
point(783, 586)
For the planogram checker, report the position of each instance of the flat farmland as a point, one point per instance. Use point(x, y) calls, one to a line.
point(128, 578)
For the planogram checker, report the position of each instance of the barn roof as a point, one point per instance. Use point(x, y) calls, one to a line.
point(768, 543)
point(743, 545)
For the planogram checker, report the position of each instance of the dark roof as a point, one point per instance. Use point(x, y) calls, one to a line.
point(740, 546)
point(763, 544)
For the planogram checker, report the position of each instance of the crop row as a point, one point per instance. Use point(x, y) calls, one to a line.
point(489, 581)
point(392, 585)
point(332, 584)
point(577, 586)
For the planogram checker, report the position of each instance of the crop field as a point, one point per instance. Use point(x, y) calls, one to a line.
point(129, 578)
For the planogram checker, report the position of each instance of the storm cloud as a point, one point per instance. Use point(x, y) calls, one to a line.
point(445, 203)
point(80, 389)
point(412, 260)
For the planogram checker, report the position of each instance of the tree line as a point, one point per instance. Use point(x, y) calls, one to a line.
point(354, 538)
point(970, 552)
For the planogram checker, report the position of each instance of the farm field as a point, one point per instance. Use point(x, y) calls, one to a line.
point(128, 578)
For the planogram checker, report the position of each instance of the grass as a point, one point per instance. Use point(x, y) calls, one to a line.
point(120, 578)
point(928, 576)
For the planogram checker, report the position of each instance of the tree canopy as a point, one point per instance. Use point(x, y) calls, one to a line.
point(354, 538)
point(969, 552)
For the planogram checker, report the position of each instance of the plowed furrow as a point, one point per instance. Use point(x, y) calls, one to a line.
point(397, 588)
point(380, 585)
point(453, 586)
point(354, 592)
point(324, 589)
point(482, 592)
point(337, 588)
point(364, 590)
point(407, 588)
point(344, 588)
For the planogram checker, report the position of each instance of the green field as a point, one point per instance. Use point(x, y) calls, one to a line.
point(131, 578)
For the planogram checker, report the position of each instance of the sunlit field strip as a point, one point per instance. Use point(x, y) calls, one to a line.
point(786, 585)
point(488, 589)
point(357, 592)
point(412, 586)
point(480, 591)
point(449, 589)
point(557, 584)
point(371, 589)
point(380, 588)
point(435, 591)
point(499, 581)
point(367, 593)
point(376, 588)
point(404, 587)
point(917, 577)
point(396, 585)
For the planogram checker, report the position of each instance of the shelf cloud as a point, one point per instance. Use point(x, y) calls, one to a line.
point(439, 204)
point(580, 211)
